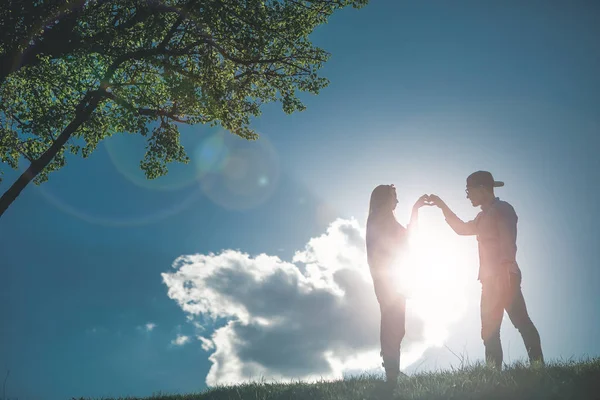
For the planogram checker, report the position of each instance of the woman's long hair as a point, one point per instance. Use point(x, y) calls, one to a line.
point(379, 222)
point(380, 211)
point(379, 197)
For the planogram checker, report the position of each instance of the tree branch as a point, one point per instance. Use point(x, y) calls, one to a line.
point(145, 111)
point(18, 143)
point(83, 112)
point(176, 24)
point(51, 40)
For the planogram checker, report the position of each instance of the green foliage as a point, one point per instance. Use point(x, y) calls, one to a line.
point(141, 63)
point(569, 380)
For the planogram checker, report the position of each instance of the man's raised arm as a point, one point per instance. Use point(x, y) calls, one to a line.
point(458, 225)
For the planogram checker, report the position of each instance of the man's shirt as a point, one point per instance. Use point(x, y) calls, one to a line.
point(496, 231)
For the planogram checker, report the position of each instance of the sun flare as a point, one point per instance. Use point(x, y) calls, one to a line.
point(434, 275)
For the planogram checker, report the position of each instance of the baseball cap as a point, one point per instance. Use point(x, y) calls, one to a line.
point(483, 178)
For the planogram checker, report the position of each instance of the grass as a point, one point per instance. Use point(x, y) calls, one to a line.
point(559, 380)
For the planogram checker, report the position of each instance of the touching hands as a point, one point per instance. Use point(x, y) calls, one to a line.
point(436, 201)
point(423, 201)
point(430, 200)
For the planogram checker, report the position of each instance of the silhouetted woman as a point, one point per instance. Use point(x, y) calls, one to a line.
point(386, 241)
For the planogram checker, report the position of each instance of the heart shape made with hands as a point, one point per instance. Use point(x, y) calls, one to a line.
point(428, 201)
point(425, 200)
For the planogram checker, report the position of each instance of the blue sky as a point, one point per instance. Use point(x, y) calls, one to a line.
point(421, 95)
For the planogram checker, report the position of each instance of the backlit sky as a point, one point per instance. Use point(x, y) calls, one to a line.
point(421, 95)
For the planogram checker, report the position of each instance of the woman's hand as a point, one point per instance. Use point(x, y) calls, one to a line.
point(414, 216)
point(436, 201)
point(422, 201)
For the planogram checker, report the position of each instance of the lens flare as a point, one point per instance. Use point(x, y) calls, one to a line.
point(211, 155)
point(118, 221)
point(126, 151)
point(238, 174)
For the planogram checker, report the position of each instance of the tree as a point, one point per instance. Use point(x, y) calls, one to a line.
point(74, 72)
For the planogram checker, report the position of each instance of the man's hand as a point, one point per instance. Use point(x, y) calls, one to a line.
point(423, 201)
point(457, 225)
point(436, 201)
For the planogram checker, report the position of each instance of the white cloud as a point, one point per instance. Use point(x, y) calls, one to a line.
point(150, 326)
point(207, 344)
point(314, 317)
point(180, 340)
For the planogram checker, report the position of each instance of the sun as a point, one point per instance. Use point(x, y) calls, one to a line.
point(435, 275)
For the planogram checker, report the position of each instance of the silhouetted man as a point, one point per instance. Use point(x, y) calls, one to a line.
point(496, 230)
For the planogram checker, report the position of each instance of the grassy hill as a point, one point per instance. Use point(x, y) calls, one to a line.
point(559, 380)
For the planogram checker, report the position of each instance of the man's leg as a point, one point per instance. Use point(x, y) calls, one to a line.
point(492, 312)
point(517, 312)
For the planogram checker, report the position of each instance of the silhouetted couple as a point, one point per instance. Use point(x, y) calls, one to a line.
point(496, 230)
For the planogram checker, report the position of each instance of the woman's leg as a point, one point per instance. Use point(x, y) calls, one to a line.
point(396, 318)
point(392, 330)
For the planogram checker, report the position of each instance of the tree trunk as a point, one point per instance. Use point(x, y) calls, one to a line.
point(84, 110)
